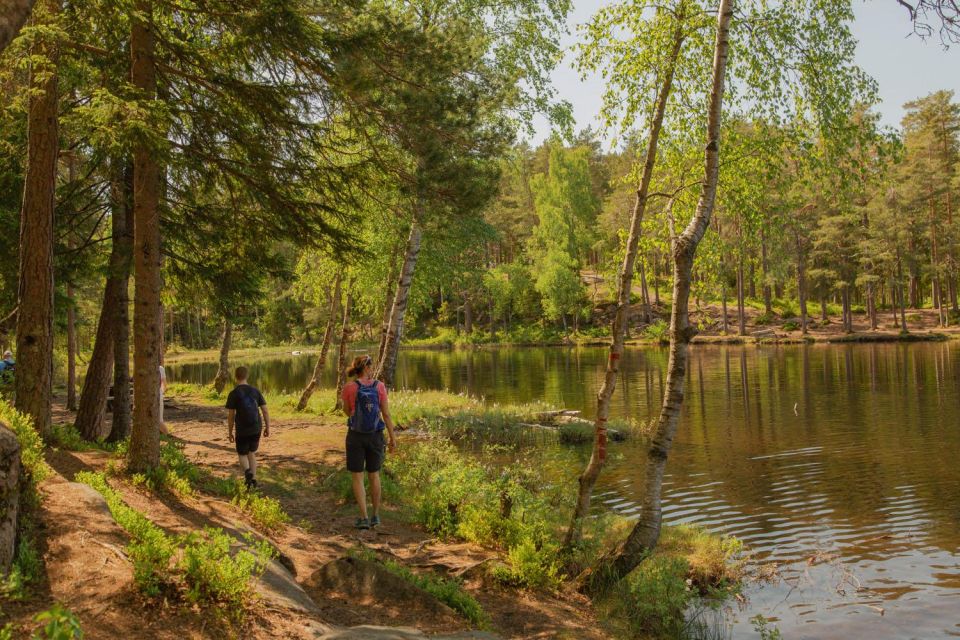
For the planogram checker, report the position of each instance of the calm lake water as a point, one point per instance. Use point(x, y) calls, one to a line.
point(841, 464)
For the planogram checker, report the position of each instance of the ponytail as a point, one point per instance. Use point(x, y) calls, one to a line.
point(359, 364)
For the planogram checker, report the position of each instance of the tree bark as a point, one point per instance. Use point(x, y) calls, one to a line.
point(96, 384)
point(391, 347)
point(741, 307)
point(900, 291)
point(145, 435)
point(122, 232)
point(344, 342)
point(388, 300)
point(467, 315)
point(325, 345)
point(71, 351)
point(802, 285)
point(646, 532)
point(33, 382)
point(723, 305)
point(621, 318)
point(13, 15)
point(644, 293)
point(764, 273)
point(223, 371)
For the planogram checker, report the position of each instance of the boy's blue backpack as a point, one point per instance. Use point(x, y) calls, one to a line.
point(366, 412)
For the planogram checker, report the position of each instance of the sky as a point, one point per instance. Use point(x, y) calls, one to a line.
point(904, 66)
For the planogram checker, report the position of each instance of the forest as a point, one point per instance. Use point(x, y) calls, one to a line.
point(359, 176)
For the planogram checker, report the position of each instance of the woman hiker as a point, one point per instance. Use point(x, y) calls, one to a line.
point(365, 403)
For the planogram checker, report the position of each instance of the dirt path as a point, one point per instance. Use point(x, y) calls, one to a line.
point(297, 462)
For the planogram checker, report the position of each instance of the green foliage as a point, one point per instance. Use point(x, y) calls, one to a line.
point(657, 331)
point(450, 592)
point(205, 571)
point(214, 575)
point(267, 513)
point(760, 623)
point(33, 465)
point(459, 496)
point(59, 623)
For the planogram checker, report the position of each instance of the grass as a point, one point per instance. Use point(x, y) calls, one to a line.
point(200, 566)
point(449, 592)
point(673, 593)
point(180, 476)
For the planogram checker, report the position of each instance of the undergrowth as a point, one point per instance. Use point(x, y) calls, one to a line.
point(198, 566)
point(27, 566)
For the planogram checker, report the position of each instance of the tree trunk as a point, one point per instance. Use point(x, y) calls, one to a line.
point(122, 232)
point(723, 305)
point(646, 532)
point(223, 371)
point(324, 346)
point(656, 282)
point(767, 297)
point(621, 318)
point(145, 436)
point(872, 306)
point(752, 280)
point(391, 347)
point(802, 285)
point(71, 351)
point(644, 293)
point(903, 312)
point(823, 309)
point(741, 307)
point(893, 303)
point(344, 342)
point(13, 15)
point(33, 382)
point(467, 315)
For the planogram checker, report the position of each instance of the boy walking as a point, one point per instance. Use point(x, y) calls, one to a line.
point(244, 406)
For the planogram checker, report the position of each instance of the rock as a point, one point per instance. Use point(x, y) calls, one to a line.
point(9, 496)
point(353, 585)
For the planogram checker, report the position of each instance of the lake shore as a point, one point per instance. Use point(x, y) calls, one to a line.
point(301, 473)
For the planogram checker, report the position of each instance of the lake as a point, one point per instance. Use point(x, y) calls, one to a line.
point(838, 464)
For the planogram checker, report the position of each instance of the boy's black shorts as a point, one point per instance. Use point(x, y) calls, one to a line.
point(365, 451)
point(248, 443)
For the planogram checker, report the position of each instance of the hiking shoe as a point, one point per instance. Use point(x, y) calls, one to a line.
point(249, 480)
point(374, 521)
point(362, 523)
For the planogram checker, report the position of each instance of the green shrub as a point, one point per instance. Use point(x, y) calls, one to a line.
point(207, 571)
point(457, 496)
point(213, 575)
point(59, 623)
point(267, 513)
point(34, 467)
point(790, 325)
point(530, 566)
point(658, 331)
point(654, 598)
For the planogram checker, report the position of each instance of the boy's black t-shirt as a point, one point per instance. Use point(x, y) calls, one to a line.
point(246, 400)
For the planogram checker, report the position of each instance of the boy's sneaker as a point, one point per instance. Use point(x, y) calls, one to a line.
point(374, 521)
point(249, 480)
point(362, 523)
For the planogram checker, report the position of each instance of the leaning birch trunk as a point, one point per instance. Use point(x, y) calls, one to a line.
point(344, 340)
point(122, 231)
point(223, 370)
point(71, 351)
point(324, 346)
point(388, 362)
point(33, 382)
point(646, 532)
point(144, 451)
point(620, 320)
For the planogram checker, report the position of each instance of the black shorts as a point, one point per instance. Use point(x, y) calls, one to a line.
point(365, 451)
point(248, 443)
